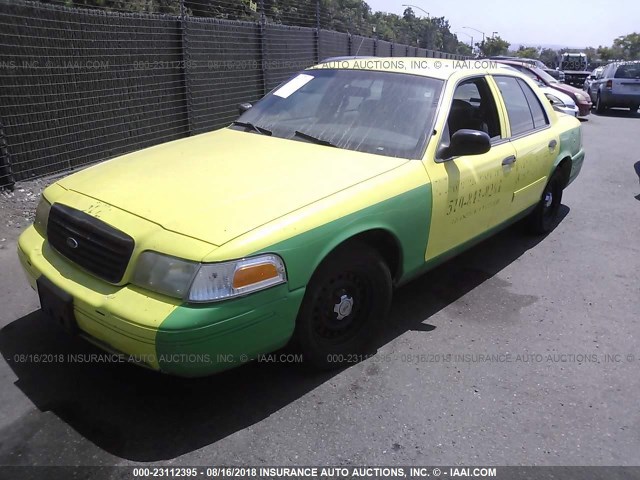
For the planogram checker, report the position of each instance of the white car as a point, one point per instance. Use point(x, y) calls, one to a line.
point(561, 102)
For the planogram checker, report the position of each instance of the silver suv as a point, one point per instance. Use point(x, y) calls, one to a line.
point(617, 86)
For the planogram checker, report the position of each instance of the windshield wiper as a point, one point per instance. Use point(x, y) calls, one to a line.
point(319, 141)
point(255, 128)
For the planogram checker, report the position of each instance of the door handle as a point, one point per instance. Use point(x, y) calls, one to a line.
point(552, 145)
point(509, 160)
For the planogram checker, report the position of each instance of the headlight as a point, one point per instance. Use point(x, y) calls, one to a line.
point(42, 216)
point(555, 101)
point(207, 282)
point(164, 274)
point(581, 97)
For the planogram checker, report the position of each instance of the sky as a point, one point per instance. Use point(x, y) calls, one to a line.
point(570, 23)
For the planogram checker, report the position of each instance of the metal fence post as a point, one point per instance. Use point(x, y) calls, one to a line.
point(184, 43)
point(263, 47)
point(6, 173)
point(317, 36)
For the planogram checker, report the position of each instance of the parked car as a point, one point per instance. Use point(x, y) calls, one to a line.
point(296, 222)
point(617, 86)
point(594, 75)
point(579, 97)
point(561, 102)
point(554, 72)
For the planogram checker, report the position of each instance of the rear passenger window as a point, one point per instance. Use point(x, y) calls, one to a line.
point(523, 107)
point(631, 70)
point(538, 113)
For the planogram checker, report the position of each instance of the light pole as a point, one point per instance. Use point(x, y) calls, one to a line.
point(476, 30)
point(415, 6)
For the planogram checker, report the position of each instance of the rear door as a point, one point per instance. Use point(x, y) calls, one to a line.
point(534, 140)
point(626, 81)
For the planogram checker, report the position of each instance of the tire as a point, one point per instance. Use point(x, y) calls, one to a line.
point(600, 108)
point(344, 307)
point(545, 216)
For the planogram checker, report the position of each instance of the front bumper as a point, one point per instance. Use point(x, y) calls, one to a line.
point(572, 111)
point(161, 332)
point(575, 79)
point(584, 108)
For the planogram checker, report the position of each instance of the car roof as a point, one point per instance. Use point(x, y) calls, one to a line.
point(439, 68)
point(533, 61)
point(346, 57)
point(513, 61)
point(626, 62)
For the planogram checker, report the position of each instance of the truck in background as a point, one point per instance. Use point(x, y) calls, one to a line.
point(575, 67)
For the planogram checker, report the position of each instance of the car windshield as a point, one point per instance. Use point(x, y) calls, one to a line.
point(630, 70)
point(544, 75)
point(366, 111)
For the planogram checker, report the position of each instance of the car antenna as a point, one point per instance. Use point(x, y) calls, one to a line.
point(361, 42)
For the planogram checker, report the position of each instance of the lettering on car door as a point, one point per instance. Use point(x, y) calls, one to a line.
point(469, 192)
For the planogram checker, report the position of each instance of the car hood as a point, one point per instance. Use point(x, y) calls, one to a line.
point(568, 89)
point(219, 185)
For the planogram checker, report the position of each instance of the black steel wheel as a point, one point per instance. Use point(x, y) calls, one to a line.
point(545, 216)
point(344, 307)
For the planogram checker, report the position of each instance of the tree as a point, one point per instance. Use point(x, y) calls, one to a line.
point(527, 52)
point(464, 49)
point(349, 16)
point(549, 57)
point(629, 45)
point(607, 54)
point(493, 46)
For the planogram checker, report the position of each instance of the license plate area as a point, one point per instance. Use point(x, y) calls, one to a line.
point(57, 305)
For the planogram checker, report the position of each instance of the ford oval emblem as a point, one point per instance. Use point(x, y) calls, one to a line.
point(72, 242)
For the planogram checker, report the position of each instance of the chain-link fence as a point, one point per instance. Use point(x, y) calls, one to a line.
point(82, 85)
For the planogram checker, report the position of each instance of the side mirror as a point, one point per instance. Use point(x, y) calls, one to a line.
point(243, 107)
point(465, 142)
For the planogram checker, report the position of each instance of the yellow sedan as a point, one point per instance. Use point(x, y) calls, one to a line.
point(296, 222)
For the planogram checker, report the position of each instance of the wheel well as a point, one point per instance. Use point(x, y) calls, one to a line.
point(386, 244)
point(564, 169)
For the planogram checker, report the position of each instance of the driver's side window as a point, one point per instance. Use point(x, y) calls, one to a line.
point(474, 108)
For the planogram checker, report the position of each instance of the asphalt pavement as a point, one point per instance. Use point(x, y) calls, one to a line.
point(522, 351)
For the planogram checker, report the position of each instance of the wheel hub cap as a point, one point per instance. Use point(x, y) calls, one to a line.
point(548, 199)
point(344, 307)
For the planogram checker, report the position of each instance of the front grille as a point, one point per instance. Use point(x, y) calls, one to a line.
point(90, 243)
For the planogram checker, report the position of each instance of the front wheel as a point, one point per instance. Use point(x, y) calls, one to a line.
point(344, 307)
point(545, 216)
